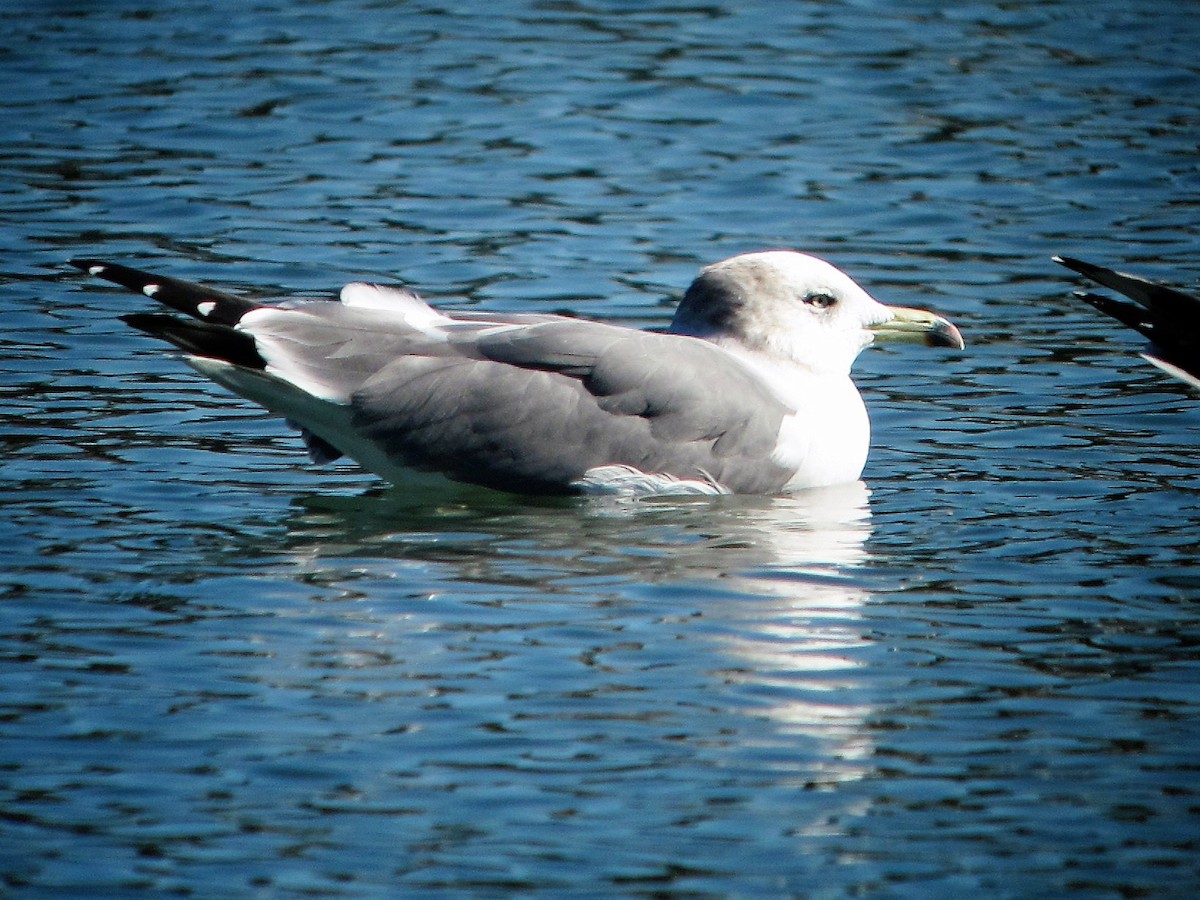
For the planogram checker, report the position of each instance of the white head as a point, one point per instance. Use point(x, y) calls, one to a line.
point(798, 308)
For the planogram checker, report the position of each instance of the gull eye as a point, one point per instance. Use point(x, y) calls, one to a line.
point(820, 300)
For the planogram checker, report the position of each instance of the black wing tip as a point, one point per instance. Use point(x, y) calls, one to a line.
point(144, 321)
point(1128, 314)
point(1078, 265)
point(209, 340)
point(126, 276)
point(196, 300)
point(91, 266)
point(1160, 298)
point(159, 325)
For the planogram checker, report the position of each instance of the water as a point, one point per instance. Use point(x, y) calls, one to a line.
point(226, 673)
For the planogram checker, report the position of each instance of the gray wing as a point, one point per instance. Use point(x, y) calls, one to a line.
point(533, 408)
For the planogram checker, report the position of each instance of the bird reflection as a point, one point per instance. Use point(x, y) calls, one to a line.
point(764, 592)
point(760, 544)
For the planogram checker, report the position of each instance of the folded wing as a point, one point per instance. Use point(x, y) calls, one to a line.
point(529, 403)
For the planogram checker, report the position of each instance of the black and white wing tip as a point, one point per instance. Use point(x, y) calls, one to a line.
point(1168, 317)
point(208, 332)
point(195, 300)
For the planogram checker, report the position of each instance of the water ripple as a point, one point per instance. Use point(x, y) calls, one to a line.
point(226, 672)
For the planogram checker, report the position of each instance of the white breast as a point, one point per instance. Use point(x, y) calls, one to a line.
point(826, 439)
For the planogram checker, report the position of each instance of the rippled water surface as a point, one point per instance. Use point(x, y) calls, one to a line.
point(224, 672)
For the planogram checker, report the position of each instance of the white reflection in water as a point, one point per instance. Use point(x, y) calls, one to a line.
point(796, 635)
point(760, 595)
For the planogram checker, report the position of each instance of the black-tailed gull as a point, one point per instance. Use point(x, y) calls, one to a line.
point(748, 392)
point(1169, 318)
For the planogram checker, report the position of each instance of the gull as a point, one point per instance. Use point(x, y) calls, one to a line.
point(1169, 318)
point(748, 391)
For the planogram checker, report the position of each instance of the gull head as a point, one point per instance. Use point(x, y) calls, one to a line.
point(799, 309)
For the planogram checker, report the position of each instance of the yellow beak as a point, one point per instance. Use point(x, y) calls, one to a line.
point(918, 326)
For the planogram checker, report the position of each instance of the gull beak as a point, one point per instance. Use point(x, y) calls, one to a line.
point(918, 326)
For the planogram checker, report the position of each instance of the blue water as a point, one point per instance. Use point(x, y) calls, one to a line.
point(227, 673)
